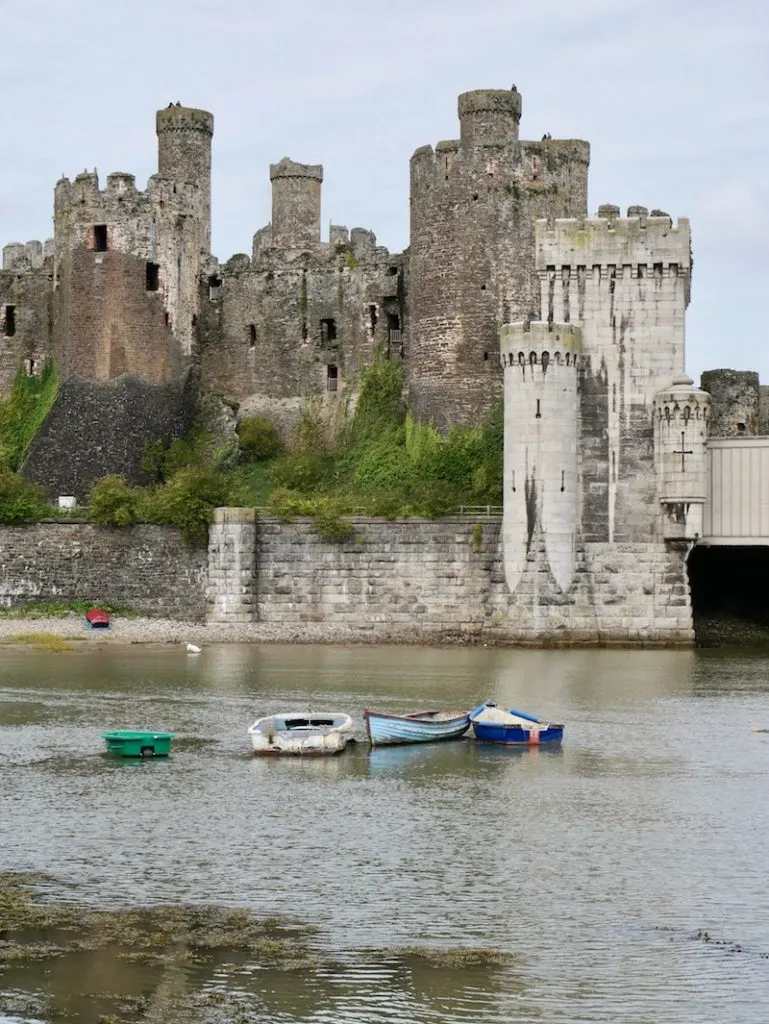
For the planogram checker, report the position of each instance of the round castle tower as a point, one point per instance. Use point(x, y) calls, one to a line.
point(540, 363)
point(473, 205)
point(681, 414)
point(184, 155)
point(295, 204)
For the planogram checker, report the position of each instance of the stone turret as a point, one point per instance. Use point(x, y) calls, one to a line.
point(681, 413)
point(184, 155)
point(295, 204)
point(540, 491)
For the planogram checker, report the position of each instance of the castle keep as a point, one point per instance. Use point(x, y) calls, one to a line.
point(507, 287)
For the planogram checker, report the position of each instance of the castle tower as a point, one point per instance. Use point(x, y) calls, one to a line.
point(295, 204)
point(681, 414)
point(473, 205)
point(184, 156)
point(540, 363)
point(128, 262)
point(626, 282)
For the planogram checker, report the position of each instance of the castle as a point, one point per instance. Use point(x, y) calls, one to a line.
point(507, 286)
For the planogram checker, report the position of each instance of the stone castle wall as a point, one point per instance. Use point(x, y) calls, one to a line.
point(147, 569)
point(436, 578)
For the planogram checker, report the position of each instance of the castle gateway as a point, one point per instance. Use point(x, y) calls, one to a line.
point(612, 473)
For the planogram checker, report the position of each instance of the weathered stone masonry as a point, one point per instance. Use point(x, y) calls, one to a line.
point(392, 578)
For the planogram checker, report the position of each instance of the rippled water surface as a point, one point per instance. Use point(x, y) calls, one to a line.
point(594, 866)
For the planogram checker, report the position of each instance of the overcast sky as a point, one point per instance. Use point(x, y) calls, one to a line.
point(672, 95)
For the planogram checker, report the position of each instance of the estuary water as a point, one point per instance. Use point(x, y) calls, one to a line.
point(623, 876)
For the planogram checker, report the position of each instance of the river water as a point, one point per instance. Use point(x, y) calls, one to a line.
point(598, 867)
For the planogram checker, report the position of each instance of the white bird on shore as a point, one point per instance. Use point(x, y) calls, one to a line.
point(193, 649)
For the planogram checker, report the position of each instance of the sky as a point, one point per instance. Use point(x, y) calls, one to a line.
point(673, 96)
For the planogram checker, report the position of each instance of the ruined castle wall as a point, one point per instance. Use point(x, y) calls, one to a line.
point(25, 314)
point(736, 402)
point(293, 324)
point(626, 282)
point(473, 204)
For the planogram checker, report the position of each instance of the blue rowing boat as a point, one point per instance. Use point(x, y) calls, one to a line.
point(511, 727)
point(418, 727)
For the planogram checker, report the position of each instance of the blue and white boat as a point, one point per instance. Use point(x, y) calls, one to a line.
point(514, 728)
point(418, 727)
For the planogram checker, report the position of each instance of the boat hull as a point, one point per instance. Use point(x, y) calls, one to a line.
point(517, 736)
point(297, 735)
point(422, 727)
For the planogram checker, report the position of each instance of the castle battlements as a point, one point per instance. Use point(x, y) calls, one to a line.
point(32, 255)
point(539, 342)
point(614, 241)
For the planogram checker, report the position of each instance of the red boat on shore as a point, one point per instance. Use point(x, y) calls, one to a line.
point(97, 618)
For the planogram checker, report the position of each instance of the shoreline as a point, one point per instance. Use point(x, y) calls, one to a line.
point(726, 633)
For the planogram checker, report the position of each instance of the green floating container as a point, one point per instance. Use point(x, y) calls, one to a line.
point(133, 743)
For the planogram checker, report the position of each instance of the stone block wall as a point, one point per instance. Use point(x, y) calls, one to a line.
point(411, 574)
point(148, 569)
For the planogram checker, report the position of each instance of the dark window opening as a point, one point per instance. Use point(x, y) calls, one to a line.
point(328, 331)
point(485, 357)
point(153, 277)
point(372, 317)
point(167, 318)
point(100, 237)
point(475, 196)
point(252, 335)
point(538, 415)
point(483, 287)
point(740, 428)
point(30, 367)
point(332, 375)
point(10, 321)
point(214, 284)
point(392, 271)
point(194, 320)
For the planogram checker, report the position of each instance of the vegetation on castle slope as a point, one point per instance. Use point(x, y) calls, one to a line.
point(382, 463)
point(23, 412)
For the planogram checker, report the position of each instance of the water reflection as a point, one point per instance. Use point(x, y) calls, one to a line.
point(567, 859)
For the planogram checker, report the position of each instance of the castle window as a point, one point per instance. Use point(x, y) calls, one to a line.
point(167, 318)
point(214, 287)
point(485, 357)
point(332, 375)
point(392, 271)
point(372, 319)
point(10, 321)
point(327, 330)
point(740, 428)
point(252, 335)
point(100, 237)
point(538, 414)
point(153, 277)
point(194, 320)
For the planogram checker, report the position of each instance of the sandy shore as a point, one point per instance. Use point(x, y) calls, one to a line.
point(170, 631)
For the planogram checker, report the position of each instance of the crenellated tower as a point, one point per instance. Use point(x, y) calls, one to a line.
point(626, 282)
point(474, 201)
point(128, 262)
point(540, 362)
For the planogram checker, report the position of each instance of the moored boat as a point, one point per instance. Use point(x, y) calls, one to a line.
point(97, 618)
point(417, 727)
point(301, 733)
point(514, 728)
